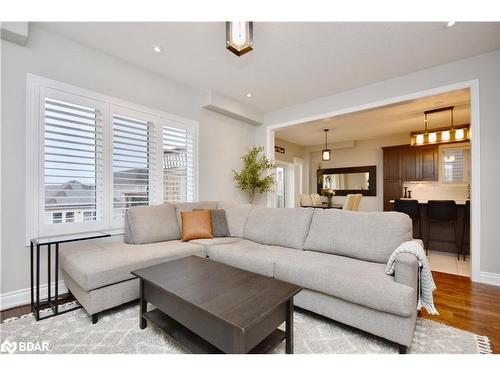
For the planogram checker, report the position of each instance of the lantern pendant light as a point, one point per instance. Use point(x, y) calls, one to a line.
point(239, 37)
point(326, 153)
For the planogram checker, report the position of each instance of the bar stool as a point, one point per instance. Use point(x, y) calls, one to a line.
point(411, 208)
point(442, 211)
point(465, 226)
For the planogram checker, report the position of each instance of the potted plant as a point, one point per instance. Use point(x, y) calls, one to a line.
point(255, 177)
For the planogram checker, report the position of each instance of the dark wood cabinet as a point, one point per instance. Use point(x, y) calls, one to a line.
point(407, 163)
point(392, 190)
point(392, 169)
point(428, 163)
point(392, 176)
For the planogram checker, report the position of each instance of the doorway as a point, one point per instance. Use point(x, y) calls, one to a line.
point(475, 217)
point(285, 187)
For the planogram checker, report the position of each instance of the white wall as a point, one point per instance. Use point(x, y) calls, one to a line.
point(292, 150)
point(368, 152)
point(223, 141)
point(484, 68)
point(58, 58)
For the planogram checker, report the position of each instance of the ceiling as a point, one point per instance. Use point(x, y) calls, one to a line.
point(381, 122)
point(292, 62)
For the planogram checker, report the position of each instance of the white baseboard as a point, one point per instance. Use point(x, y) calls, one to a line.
point(490, 278)
point(23, 296)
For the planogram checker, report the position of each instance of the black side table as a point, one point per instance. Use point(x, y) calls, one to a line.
point(52, 301)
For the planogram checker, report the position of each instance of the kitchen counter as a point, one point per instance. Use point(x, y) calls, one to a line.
point(424, 201)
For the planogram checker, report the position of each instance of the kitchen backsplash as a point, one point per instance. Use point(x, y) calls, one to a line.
point(435, 190)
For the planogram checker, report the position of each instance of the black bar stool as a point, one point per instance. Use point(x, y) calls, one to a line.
point(411, 208)
point(466, 226)
point(442, 211)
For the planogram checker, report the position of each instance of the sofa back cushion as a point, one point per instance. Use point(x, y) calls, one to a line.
point(146, 224)
point(236, 216)
point(190, 206)
point(370, 236)
point(286, 227)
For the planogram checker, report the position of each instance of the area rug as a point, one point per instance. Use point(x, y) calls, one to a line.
point(118, 332)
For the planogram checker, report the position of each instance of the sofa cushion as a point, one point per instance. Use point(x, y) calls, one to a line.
point(196, 224)
point(190, 206)
point(357, 281)
point(102, 264)
point(250, 256)
point(146, 224)
point(209, 242)
point(371, 236)
point(236, 215)
point(286, 227)
point(219, 222)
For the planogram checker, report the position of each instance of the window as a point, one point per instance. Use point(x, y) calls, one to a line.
point(133, 155)
point(57, 217)
point(456, 165)
point(70, 217)
point(178, 165)
point(73, 152)
point(89, 215)
point(92, 157)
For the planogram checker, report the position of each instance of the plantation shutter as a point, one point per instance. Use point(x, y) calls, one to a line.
point(73, 181)
point(178, 164)
point(454, 165)
point(133, 163)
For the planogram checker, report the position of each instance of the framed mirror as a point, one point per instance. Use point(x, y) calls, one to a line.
point(349, 180)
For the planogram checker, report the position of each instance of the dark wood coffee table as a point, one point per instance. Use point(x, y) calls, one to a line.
point(209, 307)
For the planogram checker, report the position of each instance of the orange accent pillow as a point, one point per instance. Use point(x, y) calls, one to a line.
point(196, 224)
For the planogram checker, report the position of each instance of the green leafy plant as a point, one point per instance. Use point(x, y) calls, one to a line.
point(255, 178)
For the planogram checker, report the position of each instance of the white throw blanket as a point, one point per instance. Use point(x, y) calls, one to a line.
point(426, 283)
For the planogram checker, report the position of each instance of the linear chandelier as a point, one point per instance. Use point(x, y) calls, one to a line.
point(448, 134)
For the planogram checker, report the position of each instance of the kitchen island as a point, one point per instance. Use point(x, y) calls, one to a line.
point(442, 233)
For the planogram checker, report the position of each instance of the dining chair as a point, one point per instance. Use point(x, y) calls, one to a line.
point(348, 203)
point(316, 200)
point(305, 200)
point(357, 201)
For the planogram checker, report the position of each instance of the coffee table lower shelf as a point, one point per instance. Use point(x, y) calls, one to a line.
point(197, 345)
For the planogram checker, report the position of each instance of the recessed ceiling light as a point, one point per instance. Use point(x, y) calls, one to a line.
point(158, 49)
point(249, 95)
point(450, 24)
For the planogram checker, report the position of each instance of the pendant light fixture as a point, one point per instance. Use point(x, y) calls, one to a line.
point(326, 154)
point(441, 135)
point(239, 37)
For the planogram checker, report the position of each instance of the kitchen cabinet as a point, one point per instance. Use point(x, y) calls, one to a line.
point(428, 163)
point(419, 163)
point(407, 163)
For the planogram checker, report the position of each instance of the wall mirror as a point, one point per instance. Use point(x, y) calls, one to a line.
point(349, 180)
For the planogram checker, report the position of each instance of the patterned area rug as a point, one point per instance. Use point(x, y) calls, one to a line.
point(118, 332)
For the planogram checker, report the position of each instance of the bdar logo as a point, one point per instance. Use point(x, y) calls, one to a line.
point(8, 347)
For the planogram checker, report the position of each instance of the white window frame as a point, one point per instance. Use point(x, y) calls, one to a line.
point(37, 86)
point(467, 162)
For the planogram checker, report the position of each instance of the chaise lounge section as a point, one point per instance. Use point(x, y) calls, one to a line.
point(337, 256)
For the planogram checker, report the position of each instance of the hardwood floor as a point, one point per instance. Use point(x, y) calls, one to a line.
point(466, 305)
point(25, 309)
point(462, 304)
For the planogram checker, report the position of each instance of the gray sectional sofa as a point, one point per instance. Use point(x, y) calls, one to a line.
point(337, 256)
